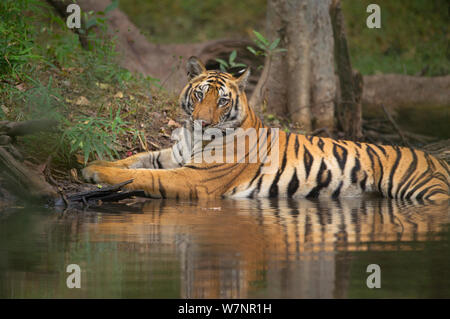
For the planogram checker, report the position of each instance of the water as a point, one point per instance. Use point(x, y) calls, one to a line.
point(228, 249)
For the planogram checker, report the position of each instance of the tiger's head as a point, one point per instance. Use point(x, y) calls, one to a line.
point(213, 98)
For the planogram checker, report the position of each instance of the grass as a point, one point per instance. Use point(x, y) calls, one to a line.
point(413, 37)
point(103, 110)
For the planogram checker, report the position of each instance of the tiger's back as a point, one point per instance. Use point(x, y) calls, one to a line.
point(323, 167)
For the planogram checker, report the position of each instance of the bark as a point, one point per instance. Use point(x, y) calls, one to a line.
point(349, 109)
point(22, 181)
point(300, 82)
point(61, 7)
point(15, 177)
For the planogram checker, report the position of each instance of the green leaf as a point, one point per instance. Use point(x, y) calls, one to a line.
point(222, 62)
point(251, 50)
point(86, 155)
point(261, 38)
point(261, 45)
point(274, 44)
point(232, 56)
point(239, 64)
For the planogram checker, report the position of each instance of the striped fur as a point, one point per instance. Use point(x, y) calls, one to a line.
point(308, 166)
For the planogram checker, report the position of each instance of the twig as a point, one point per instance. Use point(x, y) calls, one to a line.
point(395, 126)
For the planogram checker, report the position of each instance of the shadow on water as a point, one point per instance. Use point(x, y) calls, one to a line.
point(228, 249)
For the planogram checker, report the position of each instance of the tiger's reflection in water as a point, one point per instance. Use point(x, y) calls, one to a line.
point(273, 248)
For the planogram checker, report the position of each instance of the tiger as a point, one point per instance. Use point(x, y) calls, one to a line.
point(308, 166)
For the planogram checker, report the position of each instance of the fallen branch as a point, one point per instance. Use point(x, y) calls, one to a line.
point(14, 129)
point(93, 197)
point(395, 126)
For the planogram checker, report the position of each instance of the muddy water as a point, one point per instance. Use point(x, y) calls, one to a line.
point(228, 249)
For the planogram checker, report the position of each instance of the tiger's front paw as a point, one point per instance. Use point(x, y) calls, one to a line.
point(92, 174)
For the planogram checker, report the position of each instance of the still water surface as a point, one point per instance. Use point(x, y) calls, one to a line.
point(228, 249)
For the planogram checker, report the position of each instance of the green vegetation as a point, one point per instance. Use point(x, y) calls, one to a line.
point(45, 73)
point(265, 47)
point(226, 65)
point(189, 21)
point(413, 38)
point(94, 135)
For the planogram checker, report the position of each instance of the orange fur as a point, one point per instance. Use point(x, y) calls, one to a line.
point(308, 166)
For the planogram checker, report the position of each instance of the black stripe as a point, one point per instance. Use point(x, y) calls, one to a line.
point(393, 169)
point(437, 191)
point(355, 171)
point(154, 161)
point(422, 193)
point(381, 148)
point(258, 172)
point(296, 146)
point(342, 159)
point(185, 106)
point(445, 166)
point(337, 192)
point(416, 188)
point(273, 191)
point(209, 167)
point(293, 184)
point(158, 161)
point(315, 192)
point(162, 190)
point(408, 174)
point(307, 160)
point(370, 150)
point(320, 143)
point(362, 184)
point(257, 189)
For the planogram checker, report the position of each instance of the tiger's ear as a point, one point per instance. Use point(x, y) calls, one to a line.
point(194, 67)
point(243, 79)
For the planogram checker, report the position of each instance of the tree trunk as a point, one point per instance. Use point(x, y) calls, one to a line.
point(301, 81)
point(349, 109)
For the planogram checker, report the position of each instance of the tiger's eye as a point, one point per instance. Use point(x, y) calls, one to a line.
point(199, 95)
point(223, 101)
